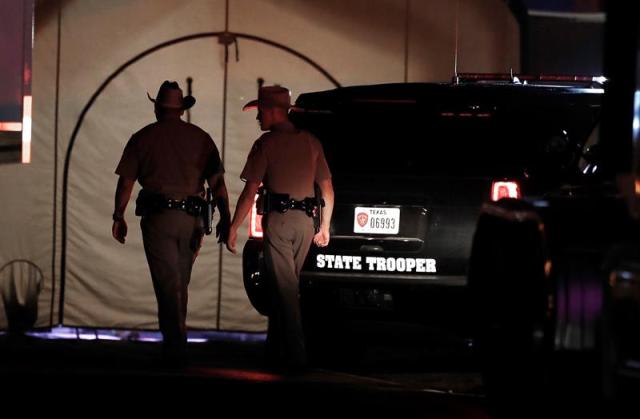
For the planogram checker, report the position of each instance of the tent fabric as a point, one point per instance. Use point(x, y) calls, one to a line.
point(81, 43)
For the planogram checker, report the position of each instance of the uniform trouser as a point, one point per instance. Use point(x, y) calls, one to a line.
point(171, 240)
point(287, 240)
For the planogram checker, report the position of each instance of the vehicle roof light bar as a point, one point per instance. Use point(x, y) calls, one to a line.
point(529, 77)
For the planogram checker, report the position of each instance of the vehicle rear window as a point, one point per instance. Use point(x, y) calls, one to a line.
point(414, 141)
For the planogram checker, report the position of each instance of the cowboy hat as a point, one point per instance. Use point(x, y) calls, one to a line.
point(170, 96)
point(270, 96)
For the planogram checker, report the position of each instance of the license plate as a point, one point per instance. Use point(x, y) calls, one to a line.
point(376, 220)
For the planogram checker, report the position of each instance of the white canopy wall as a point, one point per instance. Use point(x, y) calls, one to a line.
point(107, 285)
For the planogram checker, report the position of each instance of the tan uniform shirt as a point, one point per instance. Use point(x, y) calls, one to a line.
point(287, 161)
point(170, 157)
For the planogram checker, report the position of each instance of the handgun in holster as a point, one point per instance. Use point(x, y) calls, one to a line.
point(317, 211)
point(207, 214)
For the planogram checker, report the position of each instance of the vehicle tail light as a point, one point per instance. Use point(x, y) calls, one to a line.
point(505, 189)
point(255, 222)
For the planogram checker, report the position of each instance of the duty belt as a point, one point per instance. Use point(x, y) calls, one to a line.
point(269, 201)
point(307, 205)
point(176, 204)
point(282, 203)
point(148, 203)
point(193, 205)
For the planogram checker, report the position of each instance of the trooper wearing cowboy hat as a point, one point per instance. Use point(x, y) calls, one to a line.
point(171, 159)
point(288, 162)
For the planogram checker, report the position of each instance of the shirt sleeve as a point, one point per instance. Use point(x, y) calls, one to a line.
point(214, 163)
point(129, 162)
point(256, 165)
point(322, 167)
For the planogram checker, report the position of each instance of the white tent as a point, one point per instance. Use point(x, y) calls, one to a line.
point(80, 51)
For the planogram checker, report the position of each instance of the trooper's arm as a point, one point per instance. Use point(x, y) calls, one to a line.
point(221, 198)
point(322, 237)
point(245, 201)
point(123, 194)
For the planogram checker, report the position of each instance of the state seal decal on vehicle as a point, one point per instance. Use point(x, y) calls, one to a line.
point(362, 219)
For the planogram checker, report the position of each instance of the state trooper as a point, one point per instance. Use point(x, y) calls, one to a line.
point(288, 161)
point(171, 159)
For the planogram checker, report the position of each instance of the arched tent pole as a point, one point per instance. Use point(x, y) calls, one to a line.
point(98, 92)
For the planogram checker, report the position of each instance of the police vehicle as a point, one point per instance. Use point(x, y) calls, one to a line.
point(412, 165)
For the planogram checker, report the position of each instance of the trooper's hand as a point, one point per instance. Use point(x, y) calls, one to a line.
point(222, 229)
point(231, 240)
point(119, 230)
point(321, 239)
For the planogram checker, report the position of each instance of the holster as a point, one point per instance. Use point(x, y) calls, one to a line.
point(207, 215)
point(319, 203)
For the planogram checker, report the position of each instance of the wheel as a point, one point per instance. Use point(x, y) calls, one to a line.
point(255, 276)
